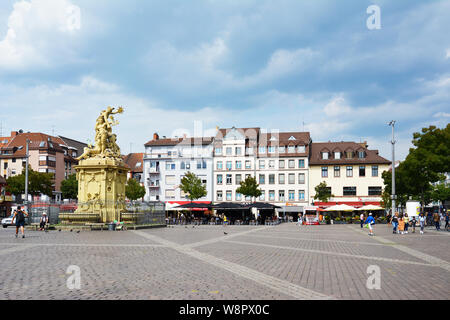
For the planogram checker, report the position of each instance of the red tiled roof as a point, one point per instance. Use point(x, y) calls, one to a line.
point(132, 159)
point(371, 156)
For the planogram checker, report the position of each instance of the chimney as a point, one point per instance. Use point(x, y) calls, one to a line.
point(155, 136)
point(364, 144)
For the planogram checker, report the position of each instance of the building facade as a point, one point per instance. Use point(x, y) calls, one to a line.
point(167, 160)
point(135, 161)
point(278, 160)
point(351, 171)
point(47, 154)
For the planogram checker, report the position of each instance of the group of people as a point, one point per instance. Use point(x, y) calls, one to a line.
point(401, 222)
point(18, 219)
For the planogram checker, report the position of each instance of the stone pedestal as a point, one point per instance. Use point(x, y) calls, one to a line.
point(101, 187)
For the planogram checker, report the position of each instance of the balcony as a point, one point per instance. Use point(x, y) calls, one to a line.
point(154, 170)
point(153, 184)
point(47, 163)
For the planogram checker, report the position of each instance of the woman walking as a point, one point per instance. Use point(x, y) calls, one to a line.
point(394, 222)
point(422, 222)
point(406, 219)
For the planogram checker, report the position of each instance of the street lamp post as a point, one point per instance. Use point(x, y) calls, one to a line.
point(26, 175)
point(392, 124)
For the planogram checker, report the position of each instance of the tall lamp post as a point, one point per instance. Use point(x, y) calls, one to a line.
point(26, 175)
point(393, 196)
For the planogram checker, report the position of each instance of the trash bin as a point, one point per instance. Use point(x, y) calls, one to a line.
point(112, 227)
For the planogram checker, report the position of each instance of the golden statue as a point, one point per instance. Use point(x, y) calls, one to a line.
point(101, 175)
point(105, 141)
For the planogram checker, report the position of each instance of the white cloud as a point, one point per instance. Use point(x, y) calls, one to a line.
point(39, 33)
point(447, 54)
point(202, 66)
point(337, 107)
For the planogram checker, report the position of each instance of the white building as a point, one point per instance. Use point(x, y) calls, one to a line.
point(279, 161)
point(167, 160)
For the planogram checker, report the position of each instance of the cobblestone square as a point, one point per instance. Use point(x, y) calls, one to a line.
point(249, 262)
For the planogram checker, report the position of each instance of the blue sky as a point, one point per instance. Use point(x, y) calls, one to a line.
point(180, 65)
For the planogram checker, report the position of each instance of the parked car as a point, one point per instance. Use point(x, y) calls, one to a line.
point(9, 221)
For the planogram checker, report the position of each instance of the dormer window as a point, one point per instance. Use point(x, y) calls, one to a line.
point(337, 155)
point(273, 138)
point(361, 154)
point(301, 149)
point(292, 138)
point(291, 149)
point(281, 149)
point(325, 155)
point(42, 144)
point(349, 154)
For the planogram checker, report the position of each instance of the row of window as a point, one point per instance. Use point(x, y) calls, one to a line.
point(351, 191)
point(261, 164)
point(262, 178)
point(348, 154)
point(261, 149)
point(282, 196)
point(349, 171)
point(200, 164)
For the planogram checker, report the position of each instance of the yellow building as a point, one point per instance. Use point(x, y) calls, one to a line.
point(351, 171)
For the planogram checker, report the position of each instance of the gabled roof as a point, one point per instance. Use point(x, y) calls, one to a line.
point(132, 160)
point(371, 157)
point(180, 141)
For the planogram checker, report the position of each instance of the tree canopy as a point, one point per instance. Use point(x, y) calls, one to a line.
point(69, 187)
point(249, 188)
point(38, 183)
point(133, 190)
point(193, 186)
point(323, 192)
point(424, 165)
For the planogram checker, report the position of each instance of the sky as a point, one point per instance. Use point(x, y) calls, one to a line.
point(188, 66)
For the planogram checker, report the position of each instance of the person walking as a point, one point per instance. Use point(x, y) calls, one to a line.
point(446, 220)
point(19, 218)
point(413, 224)
point(401, 225)
point(43, 222)
point(394, 221)
point(406, 219)
point(422, 222)
point(437, 222)
point(300, 220)
point(361, 219)
point(370, 221)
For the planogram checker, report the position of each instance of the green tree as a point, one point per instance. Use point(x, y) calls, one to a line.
point(38, 183)
point(400, 188)
point(441, 192)
point(426, 163)
point(323, 193)
point(69, 187)
point(193, 186)
point(133, 190)
point(249, 188)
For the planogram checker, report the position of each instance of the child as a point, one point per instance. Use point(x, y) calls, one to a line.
point(401, 225)
point(413, 224)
